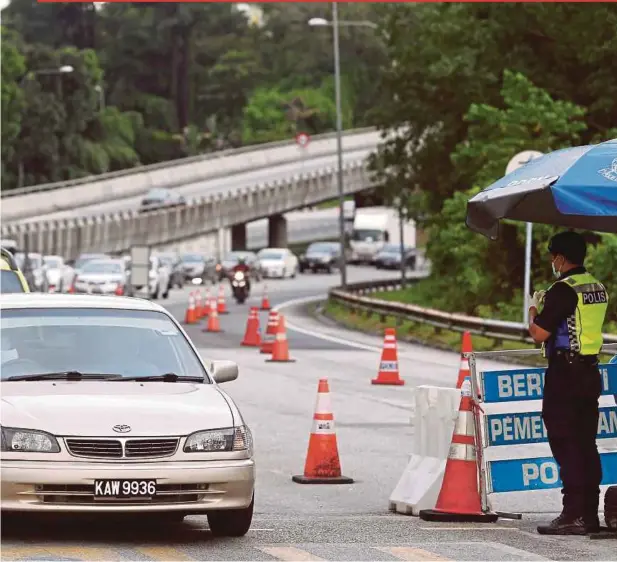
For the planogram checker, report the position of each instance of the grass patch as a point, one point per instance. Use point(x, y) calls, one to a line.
point(332, 203)
point(416, 332)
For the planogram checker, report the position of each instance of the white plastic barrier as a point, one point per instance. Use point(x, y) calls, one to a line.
point(436, 411)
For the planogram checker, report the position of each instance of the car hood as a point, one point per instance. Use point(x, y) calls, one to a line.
point(92, 408)
point(100, 277)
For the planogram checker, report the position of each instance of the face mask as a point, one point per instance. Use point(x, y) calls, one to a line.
point(556, 272)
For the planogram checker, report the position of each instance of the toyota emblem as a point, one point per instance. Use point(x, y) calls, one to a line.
point(121, 428)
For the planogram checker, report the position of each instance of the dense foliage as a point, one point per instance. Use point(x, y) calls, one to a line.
point(152, 82)
point(477, 84)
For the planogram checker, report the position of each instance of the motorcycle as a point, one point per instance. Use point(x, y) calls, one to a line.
point(240, 286)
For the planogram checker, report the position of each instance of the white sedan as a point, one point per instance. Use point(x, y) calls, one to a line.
point(278, 262)
point(60, 276)
point(108, 408)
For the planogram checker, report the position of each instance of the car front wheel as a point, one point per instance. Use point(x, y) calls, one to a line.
point(231, 522)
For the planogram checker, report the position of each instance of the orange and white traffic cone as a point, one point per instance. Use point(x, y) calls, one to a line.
point(267, 343)
point(199, 308)
point(466, 348)
point(388, 366)
point(189, 315)
point(252, 338)
point(280, 349)
point(205, 298)
point(265, 300)
point(221, 307)
point(213, 324)
point(322, 465)
point(459, 497)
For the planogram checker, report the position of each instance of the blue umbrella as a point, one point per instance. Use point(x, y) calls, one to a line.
point(572, 187)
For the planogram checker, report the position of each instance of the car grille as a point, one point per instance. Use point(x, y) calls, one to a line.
point(122, 448)
point(77, 494)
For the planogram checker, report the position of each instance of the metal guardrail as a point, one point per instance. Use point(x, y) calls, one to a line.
point(170, 164)
point(355, 297)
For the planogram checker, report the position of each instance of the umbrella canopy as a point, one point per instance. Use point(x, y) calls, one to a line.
point(572, 187)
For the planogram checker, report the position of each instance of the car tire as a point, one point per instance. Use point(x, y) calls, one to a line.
point(294, 272)
point(154, 296)
point(166, 293)
point(231, 522)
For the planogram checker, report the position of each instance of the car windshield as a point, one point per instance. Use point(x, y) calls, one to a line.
point(192, 258)
point(102, 267)
point(34, 259)
point(363, 235)
point(83, 260)
point(129, 343)
point(391, 249)
point(271, 256)
point(9, 282)
point(157, 194)
point(321, 248)
point(52, 262)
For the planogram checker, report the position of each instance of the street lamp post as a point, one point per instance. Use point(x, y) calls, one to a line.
point(335, 24)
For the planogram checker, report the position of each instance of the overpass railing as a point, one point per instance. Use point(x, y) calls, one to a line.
point(357, 298)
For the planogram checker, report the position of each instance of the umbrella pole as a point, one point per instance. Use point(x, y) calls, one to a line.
point(527, 290)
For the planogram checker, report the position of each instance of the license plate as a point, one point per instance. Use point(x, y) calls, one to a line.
point(124, 488)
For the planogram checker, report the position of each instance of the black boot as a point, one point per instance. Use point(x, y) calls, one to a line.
point(565, 524)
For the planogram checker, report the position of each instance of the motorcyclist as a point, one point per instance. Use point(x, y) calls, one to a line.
point(244, 268)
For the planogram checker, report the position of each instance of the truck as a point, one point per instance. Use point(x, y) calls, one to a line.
point(373, 227)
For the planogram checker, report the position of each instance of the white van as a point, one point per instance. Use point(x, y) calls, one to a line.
point(375, 226)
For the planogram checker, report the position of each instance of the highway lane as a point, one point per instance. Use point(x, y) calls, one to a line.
point(295, 522)
point(209, 187)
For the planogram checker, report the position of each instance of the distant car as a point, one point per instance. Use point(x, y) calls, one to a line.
point(12, 280)
point(226, 266)
point(102, 277)
point(34, 271)
point(78, 265)
point(59, 274)
point(158, 279)
point(389, 257)
point(108, 408)
point(321, 256)
point(175, 266)
point(278, 262)
point(160, 198)
point(198, 269)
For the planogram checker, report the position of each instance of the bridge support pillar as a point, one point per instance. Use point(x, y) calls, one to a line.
point(277, 231)
point(238, 237)
point(222, 242)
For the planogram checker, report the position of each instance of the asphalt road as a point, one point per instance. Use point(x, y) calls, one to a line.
point(210, 187)
point(295, 522)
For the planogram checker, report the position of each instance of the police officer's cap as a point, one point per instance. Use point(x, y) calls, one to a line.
point(570, 245)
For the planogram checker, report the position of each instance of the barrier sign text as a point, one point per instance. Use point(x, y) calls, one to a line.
point(517, 385)
point(521, 475)
point(523, 428)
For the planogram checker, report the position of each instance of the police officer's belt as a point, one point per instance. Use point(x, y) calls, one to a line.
point(572, 357)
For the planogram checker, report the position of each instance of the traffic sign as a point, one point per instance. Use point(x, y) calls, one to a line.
point(303, 139)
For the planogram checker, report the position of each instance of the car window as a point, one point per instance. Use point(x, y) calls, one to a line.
point(10, 283)
point(272, 256)
point(192, 258)
point(102, 267)
point(82, 260)
point(53, 263)
point(320, 247)
point(111, 341)
point(158, 193)
point(364, 235)
point(35, 260)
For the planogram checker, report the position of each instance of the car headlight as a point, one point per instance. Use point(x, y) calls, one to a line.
point(227, 439)
point(28, 441)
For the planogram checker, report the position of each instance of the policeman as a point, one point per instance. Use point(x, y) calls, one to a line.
point(570, 330)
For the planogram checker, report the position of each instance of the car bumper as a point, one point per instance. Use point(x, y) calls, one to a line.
point(187, 487)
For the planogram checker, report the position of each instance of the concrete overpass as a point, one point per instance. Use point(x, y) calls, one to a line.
point(192, 177)
point(218, 215)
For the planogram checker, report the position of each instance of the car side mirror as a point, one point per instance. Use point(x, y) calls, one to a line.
point(224, 371)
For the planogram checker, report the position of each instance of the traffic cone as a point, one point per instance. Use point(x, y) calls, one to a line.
point(222, 308)
point(199, 308)
point(265, 300)
point(267, 343)
point(466, 348)
point(388, 367)
point(206, 302)
point(189, 315)
point(459, 497)
point(322, 464)
point(280, 348)
point(213, 324)
point(252, 338)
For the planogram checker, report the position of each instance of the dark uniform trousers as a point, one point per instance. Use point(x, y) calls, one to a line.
point(570, 411)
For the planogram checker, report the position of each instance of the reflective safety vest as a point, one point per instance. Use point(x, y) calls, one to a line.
point(581, 332)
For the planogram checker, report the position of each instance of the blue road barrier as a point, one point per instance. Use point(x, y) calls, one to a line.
point(524, 428)
point(517, 385)
point(520, 475)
